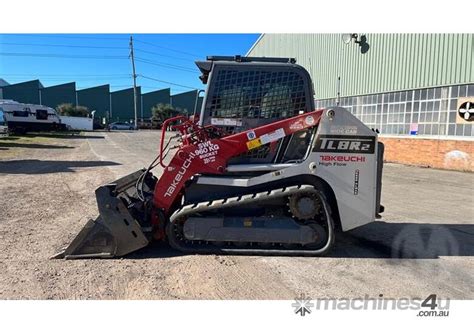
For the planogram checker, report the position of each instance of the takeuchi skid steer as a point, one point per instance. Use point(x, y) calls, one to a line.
point(258, 171)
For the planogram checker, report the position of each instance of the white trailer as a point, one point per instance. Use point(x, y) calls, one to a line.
point(22, 117)
point(78, 123)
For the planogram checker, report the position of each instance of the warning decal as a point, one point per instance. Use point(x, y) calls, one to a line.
point(273, 136)
point(254, 143)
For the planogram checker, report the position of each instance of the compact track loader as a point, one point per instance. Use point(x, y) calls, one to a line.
point(258, 171)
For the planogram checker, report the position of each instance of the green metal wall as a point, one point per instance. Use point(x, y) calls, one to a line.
point(123, 104)
point(25, 92)
point(56, 95)
point(185, 101)
point(393, 62)
point(95, 98)
point(149, 100)
point(117, 105)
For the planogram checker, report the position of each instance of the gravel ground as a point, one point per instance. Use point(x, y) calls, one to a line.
point(423, 245)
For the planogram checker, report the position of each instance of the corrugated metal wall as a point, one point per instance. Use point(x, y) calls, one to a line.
point(151, 99)
point(185, 101)
point(26, 92)
point(55, 95)
point(118, 104)
point(123, 104)
point(95, 98)
point(392, 62)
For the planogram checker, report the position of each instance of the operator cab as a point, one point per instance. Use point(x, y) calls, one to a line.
point(248, 92)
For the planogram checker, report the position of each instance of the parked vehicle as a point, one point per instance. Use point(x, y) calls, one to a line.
point(22, 117)
point(120, 126)
point(145, 124)
point(156, 123)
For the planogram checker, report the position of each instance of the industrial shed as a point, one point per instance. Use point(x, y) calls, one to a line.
point(409, 87)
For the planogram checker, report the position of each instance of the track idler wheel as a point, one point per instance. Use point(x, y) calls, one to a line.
point(305, 205)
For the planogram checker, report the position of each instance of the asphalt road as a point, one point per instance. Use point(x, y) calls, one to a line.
point(423, 245)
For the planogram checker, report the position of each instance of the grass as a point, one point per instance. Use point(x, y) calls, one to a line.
point(27, 139)
point(20, 143)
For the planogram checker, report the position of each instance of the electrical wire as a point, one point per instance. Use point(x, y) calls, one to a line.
point(166, 48)
point(71, 37)
point(67, 46)
point(52, 55)
point(167, 65)
point(162, 55)
point(95, 47)
point(65, 56)
point(166, 82)
point(70, 75)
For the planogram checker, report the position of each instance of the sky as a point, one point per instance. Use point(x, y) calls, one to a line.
point(97, 59)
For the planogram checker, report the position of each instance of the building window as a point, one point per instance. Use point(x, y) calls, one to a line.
point(433, 111)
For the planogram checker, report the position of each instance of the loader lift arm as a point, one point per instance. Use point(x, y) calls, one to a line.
point(200, 153)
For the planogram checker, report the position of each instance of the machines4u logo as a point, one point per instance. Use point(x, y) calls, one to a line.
point(345, 144)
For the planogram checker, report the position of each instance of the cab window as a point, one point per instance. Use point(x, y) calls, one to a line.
point(256, 94)
point(21, 113)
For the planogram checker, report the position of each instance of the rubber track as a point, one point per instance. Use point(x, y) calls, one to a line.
point(242, 200)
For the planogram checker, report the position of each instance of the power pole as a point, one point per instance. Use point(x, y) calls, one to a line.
point(134, 82)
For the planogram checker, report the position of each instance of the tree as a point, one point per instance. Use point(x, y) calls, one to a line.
point(161, 112)
point(67, 109)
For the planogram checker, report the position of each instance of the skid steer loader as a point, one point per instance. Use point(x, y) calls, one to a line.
point(258, 171)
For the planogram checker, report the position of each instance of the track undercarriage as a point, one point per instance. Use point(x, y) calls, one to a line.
point(293, 220)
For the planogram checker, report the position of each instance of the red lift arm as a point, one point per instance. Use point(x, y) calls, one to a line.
point(199, 153)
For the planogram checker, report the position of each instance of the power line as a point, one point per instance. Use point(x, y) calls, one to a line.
point(69, 36)
point(167, 65)
point(167, 48)
point(144, 60)
point(65, 45)
point(166, 82)
point(95, 47)
point(51, 55)
point(167, 56)
point(68, 75)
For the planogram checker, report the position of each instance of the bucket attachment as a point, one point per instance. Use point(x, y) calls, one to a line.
point(115, 232)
